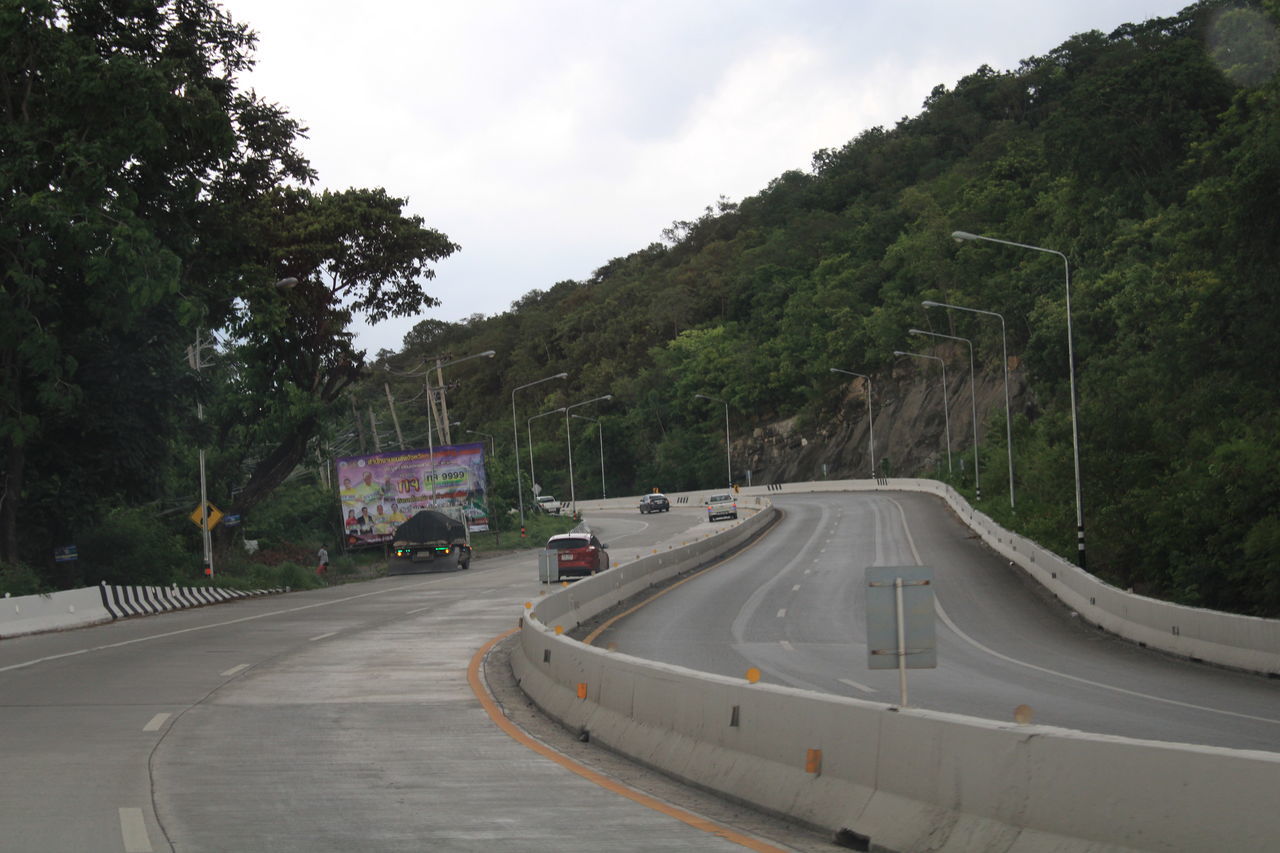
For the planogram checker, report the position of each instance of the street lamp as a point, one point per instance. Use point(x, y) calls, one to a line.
point(515, 434)
point(573, 500)
point(946, 407)
point(604, 493)
point(871, 424)
point(1004, 349)
point(961, 236)
point(493, 449)
point(973, 398)
point(528, 435)
point(728, 461)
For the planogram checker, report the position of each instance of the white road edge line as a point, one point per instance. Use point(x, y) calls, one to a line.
point(156, 723)
point(942, 614)
point(235, 669)
point(856, 685)
point(324, 636)
point(786, 645)
point(133, 829)
point(782, 614)
point(795, 588)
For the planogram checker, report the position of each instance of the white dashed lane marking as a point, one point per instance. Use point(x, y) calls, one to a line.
point(156, 722)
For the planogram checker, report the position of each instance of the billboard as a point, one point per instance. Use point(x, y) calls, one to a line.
point(380, 491)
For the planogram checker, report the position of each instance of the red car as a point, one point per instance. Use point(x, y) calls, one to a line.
point(578, 554)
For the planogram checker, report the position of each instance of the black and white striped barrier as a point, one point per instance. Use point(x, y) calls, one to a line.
point(124, 601)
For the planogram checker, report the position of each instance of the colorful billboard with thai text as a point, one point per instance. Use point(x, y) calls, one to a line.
point(380, 491)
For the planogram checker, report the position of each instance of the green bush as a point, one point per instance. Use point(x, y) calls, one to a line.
point(130, 546)
point(20, 579)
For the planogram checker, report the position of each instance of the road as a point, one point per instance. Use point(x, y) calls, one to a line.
point(331, 720)
point(793, 607)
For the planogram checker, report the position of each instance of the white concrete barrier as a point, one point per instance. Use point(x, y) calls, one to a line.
point(901, 779)
point(76, 608)
point(29, 614)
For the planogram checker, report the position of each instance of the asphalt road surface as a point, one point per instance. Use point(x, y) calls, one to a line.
point(339, 719)
point(793, 606)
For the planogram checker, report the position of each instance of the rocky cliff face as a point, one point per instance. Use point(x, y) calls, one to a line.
point(910, 427)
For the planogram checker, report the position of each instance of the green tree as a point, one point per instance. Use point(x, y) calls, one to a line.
point(291, 348)
point(127, 153)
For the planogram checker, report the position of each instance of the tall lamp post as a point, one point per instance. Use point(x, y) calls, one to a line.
point(515, 434)
point(573, 500)
point(727, 459)
point(493, 450)
point(946, 407)
point(1004, 350)
point(962, 236)
point(604, 493)
point(973, 398)
point(528, 438)
point(871, 424)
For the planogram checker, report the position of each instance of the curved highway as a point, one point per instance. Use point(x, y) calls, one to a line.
point(332, 720)
point(793, 606)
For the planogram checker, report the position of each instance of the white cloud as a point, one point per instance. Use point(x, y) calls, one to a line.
point(548, 138)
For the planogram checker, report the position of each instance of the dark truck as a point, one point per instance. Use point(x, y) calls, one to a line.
point(429, 541)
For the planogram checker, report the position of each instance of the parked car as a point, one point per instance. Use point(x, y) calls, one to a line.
point(721, 506)
point(548, 504)
point(579, 554)
point(655, 503)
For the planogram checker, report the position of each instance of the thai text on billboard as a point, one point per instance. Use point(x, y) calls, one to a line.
point(381, 491)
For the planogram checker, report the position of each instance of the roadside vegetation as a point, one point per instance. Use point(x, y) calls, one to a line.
point(1149, 156)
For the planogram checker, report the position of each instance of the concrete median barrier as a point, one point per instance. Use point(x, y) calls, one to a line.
point(885, 777)
point(78, 608)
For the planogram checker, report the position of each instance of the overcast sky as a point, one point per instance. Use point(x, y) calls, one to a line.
point(549, 136)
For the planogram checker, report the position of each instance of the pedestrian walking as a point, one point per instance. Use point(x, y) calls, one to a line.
point(323, 569)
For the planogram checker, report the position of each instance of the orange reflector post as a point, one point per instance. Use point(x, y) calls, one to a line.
point(559, 629)
point(582, 690)
point(813, 762)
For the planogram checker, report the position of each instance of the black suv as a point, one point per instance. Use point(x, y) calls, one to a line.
point(655, 503)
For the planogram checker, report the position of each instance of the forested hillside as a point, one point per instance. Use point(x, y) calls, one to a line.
point(1150, 157)
point(149, 201)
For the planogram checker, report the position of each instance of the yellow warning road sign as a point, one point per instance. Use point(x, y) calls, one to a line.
point(212, 513)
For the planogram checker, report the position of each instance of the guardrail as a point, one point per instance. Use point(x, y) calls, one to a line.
point(1249, 643)
point(896, 778)
point(77, 608)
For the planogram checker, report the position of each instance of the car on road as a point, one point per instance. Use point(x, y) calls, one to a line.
point(655, 503)
point(578, 554)
point(721, 506)
point(548, 504)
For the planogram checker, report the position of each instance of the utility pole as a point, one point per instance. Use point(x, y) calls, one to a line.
point(392, 403)
point(195, 358)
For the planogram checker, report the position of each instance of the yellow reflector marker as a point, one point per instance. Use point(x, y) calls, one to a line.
point(528, 605)
point(753, 675)
point(559, 629)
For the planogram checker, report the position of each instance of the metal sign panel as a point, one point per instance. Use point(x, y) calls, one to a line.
point(917, 612)
point(212, 515)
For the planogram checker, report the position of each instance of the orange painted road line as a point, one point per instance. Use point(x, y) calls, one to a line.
point(693, 820)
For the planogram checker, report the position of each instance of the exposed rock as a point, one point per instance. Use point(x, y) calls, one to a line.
point(910, 428)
